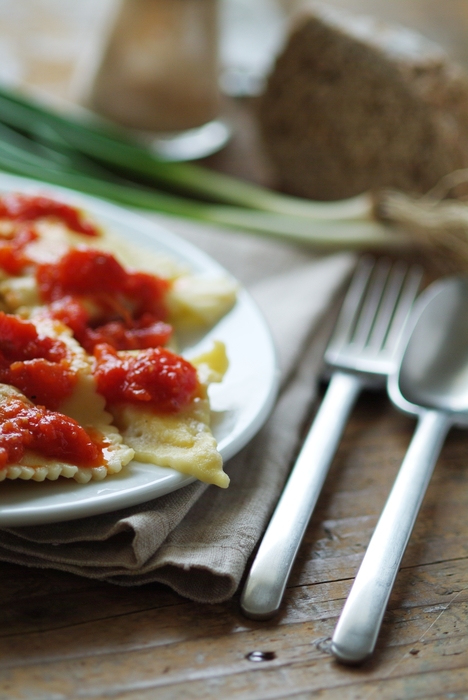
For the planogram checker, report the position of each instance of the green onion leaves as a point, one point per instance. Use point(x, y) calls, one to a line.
point(90, 155)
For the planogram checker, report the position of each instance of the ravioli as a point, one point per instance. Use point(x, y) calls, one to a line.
point(38, 467)
point(193, 301)
point(180, 439)
point(83, 405)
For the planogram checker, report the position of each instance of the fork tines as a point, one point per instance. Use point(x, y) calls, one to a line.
point(375, 308)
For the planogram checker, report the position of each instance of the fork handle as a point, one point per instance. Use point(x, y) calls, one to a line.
point(268, 576)
point(359, 624)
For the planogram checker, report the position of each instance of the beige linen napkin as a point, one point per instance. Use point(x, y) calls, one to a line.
point(198, 539)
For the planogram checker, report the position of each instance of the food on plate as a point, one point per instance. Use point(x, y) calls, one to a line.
point(38, 444)
point(180, 439)
point(89, 373)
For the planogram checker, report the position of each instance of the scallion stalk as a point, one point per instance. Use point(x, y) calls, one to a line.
point(98, 158)
point(113, 147)
point(20, 156)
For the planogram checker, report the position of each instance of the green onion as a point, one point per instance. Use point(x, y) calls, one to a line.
point(104, 161)
point(323, 234)
point(113, 146)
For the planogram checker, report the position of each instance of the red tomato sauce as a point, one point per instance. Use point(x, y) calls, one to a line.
point(155, 377)
point(37, 366)
point(50, 434)
point(13, 258)
point(129, 307)
point(22, 207)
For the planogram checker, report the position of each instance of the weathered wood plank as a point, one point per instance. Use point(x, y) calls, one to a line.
point(301, 664)
point(49, 606)
point(418, 588)
point(155, 649)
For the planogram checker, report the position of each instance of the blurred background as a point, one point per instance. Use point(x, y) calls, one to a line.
point(54, 46)
point(44, 42)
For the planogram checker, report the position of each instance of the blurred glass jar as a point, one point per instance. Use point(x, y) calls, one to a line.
point(159, 68)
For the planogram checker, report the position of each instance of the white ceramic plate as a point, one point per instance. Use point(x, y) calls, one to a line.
point(241, 403)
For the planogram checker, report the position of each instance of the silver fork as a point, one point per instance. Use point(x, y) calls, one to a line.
point(361, 353)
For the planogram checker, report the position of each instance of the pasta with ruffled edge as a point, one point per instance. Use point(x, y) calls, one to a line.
point(182, 441)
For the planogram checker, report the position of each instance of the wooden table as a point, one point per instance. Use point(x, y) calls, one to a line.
point(67, 637)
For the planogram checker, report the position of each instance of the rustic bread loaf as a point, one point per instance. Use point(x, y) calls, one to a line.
point(353, 104)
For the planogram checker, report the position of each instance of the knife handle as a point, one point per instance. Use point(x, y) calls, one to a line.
point(264, 588)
